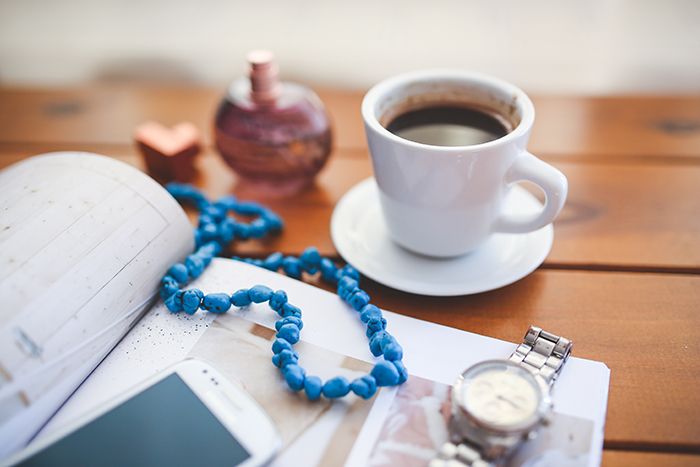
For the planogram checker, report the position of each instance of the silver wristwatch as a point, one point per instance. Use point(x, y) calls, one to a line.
point(499, 404)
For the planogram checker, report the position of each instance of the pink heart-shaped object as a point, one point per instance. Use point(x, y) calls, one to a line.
point(168, 141)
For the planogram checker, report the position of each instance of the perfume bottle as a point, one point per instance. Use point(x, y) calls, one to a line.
point(275, 135)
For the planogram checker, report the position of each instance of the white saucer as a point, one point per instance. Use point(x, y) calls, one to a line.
point(360, 236)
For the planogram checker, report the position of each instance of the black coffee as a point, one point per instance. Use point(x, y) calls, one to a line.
point(448, 125)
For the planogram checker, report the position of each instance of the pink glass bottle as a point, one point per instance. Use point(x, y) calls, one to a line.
point(275, 135)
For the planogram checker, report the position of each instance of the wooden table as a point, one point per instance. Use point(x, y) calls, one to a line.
point(623, 278)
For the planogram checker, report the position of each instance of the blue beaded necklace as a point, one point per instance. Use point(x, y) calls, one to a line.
point(215, 230)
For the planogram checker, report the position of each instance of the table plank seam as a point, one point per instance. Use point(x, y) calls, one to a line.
point(361, 152)
point(606, 268)
point(641, 269)
point(651, 447)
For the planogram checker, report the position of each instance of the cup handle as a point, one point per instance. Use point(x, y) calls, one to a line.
point(552, 182)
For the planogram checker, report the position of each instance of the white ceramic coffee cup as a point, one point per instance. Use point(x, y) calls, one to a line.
point(446, 200)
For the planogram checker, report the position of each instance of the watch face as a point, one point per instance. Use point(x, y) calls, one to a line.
point(500, 394)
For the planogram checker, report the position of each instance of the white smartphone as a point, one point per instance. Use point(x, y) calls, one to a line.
point(187, 415)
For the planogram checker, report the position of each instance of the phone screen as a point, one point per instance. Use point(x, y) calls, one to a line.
point(166, 424)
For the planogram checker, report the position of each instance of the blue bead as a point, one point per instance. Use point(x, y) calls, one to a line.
point(168, 290)
point(200, 252)
point(375, 325)
point(259, 293)
point(370, 311)
point(292, 267)
point(168, 287)
point(359, 300)
point(242, 231)
point(375, 343)
point(215, 212)
point(208, 232)
point(371, 383)
point(191, 300)
point(178, 271)
point(227, 230)
point(311, 256)
point(216, 302)
point(392, 351)
point(386, 340)
point(348, 293)
point(274, 261)
point(364, 386)
point(221, 205)
point(195, 266)
point(278, 299)
point(284, 358)
point(174, 302)
point(385, 373)
point(280, 345)
point(328, 270)
point(289, 332)
point(345, 286)
point(290, 310)
point(205, 219)
point(403, 372)
point(240, 298)
point(206, 257)
point(258, 228)
point(248, 208)
point(289, 320)
point(310, 260)
point(168, 280)
point(273, 221)
point(336, 387)
point(349, 271)
point(294, 375)
point(312, 387)
point(209, 249)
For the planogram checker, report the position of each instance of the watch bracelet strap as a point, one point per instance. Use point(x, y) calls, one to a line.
point(459, 455)
point(543, 353)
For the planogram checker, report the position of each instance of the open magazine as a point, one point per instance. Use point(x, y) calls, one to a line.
point(83, 249)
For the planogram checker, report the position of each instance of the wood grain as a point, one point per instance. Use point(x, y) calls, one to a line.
point(648, 459)
point(612, 281)
point(618, 216)
point(634, 127)
point(645, 327)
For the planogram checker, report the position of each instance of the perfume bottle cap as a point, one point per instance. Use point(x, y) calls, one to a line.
point(264, 77)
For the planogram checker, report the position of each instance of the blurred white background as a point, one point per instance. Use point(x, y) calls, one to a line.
point(557, 46)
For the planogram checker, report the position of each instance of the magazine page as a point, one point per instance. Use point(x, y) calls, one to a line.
point(396, 427)
point(84, 241)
